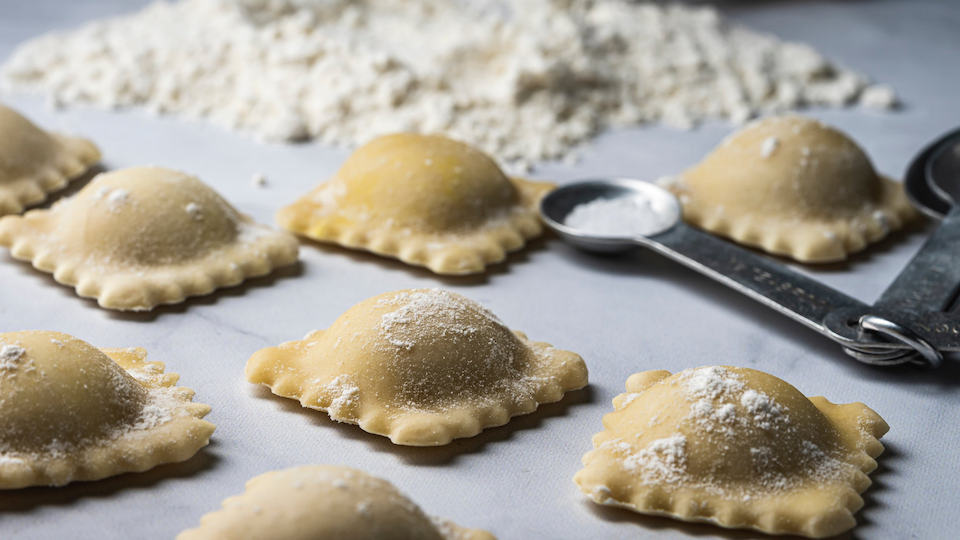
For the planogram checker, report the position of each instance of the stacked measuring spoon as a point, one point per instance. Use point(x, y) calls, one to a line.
point(920, 298)
point(910, 323)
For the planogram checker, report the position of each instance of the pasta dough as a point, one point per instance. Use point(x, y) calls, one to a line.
point(137, 238)
point(421, 366)
point(735, 447)
point(324, 502)
point(795, 187)
point(426, 200)
point(34, 163)
point(73, 412)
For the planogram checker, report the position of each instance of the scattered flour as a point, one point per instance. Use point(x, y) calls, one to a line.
point(524, 80)
point(714, 419)
point(423, 312)
point(726, 415)
point(880, 96)
point(882, 220)
point(764, 410)
point(344, 395)
point(12, 461)
point(160, 408)
point(710, 382)
point(663, 460)
point(769, 146)
point(195, 210)
point(116, 198)
point(449, 352)
point(146, 373)
point(451, 531)
point(10, 357)
point(621, 217)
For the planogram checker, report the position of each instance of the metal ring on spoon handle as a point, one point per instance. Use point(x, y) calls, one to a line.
point(884, 359)
point(925, 288)
point(929, 356)
point(939, 329)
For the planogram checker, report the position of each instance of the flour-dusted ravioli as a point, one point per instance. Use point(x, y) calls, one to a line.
point(324, 502)
point(34, 163)
point(136, 238)
point(426, 200)
point(422, 366)
point(71, 412)
point(795, 187)
point(734, 447)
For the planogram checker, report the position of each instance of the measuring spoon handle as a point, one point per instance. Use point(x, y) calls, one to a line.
point(764, 280)
point(930, 281)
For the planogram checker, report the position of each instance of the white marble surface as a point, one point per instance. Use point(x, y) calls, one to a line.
point(623, 315)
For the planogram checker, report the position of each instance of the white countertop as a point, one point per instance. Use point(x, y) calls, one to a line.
point(623, 314)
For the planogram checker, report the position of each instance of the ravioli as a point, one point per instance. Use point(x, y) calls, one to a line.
point(321, 501)
point(795, 187)
point(421, 366)
point(426, 200)
point(34, 163)
point(73, 412)
point(137, 238)
point(734, 447)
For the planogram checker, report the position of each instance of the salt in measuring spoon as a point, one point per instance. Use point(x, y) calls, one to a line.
point(770, 283)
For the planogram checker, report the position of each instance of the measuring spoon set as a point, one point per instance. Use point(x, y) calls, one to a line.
point(911, 322)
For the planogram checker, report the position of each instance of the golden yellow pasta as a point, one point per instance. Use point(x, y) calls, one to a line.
point(320, 502)
point(136, 238)
point(35, 163)
point(795, 187)
point(421, 366)
point(73, 412)
point(734, 447)
point(426, 200)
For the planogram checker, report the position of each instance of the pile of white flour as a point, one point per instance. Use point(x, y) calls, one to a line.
point(523, 79)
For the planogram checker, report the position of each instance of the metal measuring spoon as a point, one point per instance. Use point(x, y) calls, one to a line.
point(925, 289)
point(930, 281)
point(943, 176)
point(918, 188)
point(772, 284)
point(943, 172)
point(764, 280)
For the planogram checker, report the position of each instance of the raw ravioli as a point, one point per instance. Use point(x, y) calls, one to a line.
point(422, 366)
